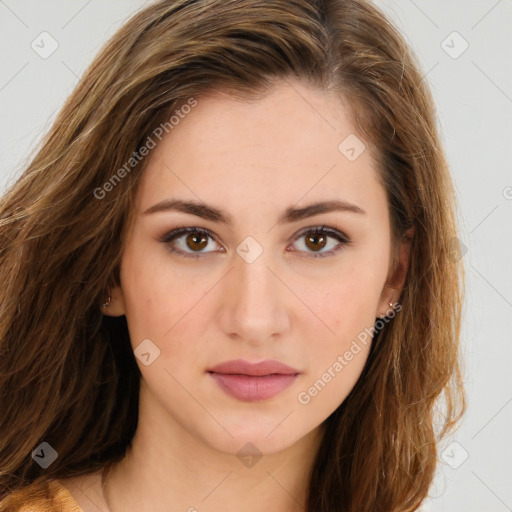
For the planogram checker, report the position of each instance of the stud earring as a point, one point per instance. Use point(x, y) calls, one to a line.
point(392, 305)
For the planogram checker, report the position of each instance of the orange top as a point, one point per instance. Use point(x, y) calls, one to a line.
point(60, 500)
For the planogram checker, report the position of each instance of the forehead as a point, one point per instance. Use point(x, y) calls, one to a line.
point(290, 142)
point(291, 119)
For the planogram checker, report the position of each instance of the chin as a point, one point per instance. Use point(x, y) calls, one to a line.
point(267, 437)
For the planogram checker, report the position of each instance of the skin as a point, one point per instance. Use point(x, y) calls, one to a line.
point(252, 160)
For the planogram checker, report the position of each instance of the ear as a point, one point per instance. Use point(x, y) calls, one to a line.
point(397, 275)
point(116, 306)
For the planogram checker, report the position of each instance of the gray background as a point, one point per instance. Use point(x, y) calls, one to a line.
point(473, 92)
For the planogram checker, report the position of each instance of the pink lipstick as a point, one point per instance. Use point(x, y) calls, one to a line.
point(253, 382)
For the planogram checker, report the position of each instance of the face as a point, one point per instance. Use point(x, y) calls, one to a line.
point(257, 272)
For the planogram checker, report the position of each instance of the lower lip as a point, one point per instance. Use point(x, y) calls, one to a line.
point(251, 388)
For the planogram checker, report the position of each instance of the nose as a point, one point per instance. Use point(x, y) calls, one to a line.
point(254, 307)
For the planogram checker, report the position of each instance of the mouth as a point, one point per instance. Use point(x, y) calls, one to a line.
point(253, 382)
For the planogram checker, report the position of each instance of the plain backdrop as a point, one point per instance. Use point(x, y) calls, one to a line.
point(465, 50)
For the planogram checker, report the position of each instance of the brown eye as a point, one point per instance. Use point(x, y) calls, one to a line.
point(320, 242)
point(191, 242)
point(196, 241)
point(316, 241)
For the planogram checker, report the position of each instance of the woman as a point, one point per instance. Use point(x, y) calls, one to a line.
point(228, 273)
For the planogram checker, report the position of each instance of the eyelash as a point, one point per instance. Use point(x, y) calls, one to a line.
point(318, 230)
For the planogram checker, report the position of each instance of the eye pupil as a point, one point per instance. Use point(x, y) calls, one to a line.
point(196, 241)
point(311, 240)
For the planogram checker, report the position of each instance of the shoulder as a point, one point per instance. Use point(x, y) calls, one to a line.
point(49, 496)
point(87, 491)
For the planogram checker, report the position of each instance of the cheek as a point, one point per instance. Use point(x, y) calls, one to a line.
point(336, 359)
point(154, 293)
point(164, 305)
point(347, 302)
point(340, 343)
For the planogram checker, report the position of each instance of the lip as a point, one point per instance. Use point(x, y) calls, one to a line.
point(252, 382)
point(266, 367)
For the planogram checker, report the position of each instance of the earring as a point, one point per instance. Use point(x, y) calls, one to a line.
point(107, 304)
point(392, 306)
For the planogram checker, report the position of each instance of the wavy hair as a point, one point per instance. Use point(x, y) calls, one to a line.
point(68, 375)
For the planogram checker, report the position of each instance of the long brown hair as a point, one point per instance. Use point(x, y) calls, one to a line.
point(68, 375)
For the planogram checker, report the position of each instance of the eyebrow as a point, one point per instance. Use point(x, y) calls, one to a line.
point(213, 214)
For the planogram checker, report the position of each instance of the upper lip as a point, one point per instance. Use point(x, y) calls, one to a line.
point(240, 366)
